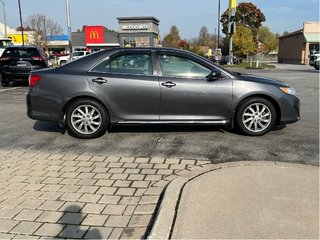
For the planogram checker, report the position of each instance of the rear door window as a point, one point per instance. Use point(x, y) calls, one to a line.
point(136, 64)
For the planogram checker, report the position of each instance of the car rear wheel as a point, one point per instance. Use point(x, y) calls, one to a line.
point(86, 119)
point(256, 116)
point(4, 82)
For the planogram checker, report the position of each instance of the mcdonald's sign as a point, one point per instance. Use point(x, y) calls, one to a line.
point(94, 34)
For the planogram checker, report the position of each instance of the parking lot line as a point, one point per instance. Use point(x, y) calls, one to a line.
point(9, 89)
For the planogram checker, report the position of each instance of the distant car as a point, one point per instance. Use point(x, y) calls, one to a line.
point(4, 42)
point(76, 55)
point(225, 59)
point(17, 62)
point(168, 86)
point(315, 60)
point(63, 59)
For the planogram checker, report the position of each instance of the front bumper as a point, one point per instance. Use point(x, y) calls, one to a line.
point(290, 109)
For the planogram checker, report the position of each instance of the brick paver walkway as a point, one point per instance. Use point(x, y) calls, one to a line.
point(82, 196)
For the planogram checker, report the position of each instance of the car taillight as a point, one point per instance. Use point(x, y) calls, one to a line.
point(38, 59)
point(4, 58)
point(33, 79)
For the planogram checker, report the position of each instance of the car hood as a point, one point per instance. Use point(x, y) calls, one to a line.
point(263, 80)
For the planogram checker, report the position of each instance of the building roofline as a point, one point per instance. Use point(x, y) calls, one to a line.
point(138, 18)
point(292, 33)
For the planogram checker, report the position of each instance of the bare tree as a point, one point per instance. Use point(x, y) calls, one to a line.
point(41, 27)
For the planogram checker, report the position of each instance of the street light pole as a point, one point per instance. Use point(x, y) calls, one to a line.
point(21, 26)
point(218, 24)
point(69, 29)
point(4, 17)
point(45, 32)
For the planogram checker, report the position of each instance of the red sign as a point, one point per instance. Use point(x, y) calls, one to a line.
point(94, 34)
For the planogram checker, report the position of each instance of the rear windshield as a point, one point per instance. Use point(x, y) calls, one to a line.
point(21, 52)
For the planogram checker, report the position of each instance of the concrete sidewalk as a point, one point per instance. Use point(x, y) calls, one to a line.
point(248, 200)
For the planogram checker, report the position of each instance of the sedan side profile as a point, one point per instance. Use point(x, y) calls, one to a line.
point(156, 86)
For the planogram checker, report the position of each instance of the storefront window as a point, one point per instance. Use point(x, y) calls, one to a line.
point(142, 41)
point(129, 42)
point(314, 48)
point(135, 42)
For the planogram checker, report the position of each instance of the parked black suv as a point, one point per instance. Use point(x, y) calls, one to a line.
point(17, 62)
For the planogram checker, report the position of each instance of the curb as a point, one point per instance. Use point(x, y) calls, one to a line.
point(165, 218)
point(166, 215)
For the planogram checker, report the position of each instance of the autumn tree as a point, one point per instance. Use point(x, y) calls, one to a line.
point(41, 26)
point(268, 38)
point(248, 15)
point(243, 41)
point(204, 36)
point(172, 39)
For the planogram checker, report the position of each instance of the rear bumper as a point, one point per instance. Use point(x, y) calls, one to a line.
point(17, 73)
point(38, 108)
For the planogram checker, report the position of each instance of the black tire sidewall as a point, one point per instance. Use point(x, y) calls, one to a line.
point(247, 103)
point(99, 107)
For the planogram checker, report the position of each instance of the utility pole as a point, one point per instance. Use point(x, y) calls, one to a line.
point(21, 26)
point(69, 29)
point(4, 17)
point(231, 27)
point(218, 24)
point(44, 32)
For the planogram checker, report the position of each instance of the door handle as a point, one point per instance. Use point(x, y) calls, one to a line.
point(168, 84)
point(99, 80)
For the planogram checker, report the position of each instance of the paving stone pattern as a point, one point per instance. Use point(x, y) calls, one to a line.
point(80, 196)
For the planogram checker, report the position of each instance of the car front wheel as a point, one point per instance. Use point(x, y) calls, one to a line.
point(87, 119)
point(256, 116)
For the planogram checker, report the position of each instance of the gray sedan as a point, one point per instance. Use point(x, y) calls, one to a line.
point(156, 86)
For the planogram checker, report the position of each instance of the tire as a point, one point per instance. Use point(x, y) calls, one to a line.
point(4, 83)
point(316, 66)
point(256, 116)
point(86, 119)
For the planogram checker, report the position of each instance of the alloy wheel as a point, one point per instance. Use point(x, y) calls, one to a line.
point(86, 119)
point(257, 117)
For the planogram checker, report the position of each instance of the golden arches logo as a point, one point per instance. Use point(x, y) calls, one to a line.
point(94, 35)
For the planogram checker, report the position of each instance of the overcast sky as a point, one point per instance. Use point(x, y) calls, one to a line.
point(187, 15)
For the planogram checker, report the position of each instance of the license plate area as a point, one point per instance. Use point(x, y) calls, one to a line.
point(21, 63)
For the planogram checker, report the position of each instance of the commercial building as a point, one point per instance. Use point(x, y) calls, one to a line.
point(133, 32)
point(296, 47)
point(138, 31)
point(94, 38)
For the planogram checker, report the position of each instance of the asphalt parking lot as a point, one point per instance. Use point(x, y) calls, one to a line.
point(297, 142)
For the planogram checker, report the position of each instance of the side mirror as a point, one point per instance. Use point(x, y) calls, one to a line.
point(214, 75)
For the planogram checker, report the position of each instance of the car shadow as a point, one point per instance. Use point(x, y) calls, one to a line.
point(44, 126)
point(168, 128)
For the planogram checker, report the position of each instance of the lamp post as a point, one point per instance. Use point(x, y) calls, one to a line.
point(21, 22)
point(218, 24)
point(44, 32)
point(4, 16)
point(69, 29)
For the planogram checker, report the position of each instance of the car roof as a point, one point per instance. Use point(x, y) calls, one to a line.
point(24, 46)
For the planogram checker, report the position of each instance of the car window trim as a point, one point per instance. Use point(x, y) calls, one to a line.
point(192, 58)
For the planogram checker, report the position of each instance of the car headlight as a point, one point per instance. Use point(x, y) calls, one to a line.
point(289, 90)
